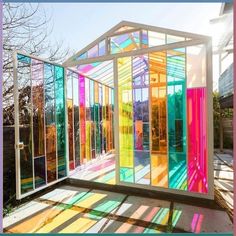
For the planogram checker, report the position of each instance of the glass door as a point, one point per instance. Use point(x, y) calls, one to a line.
point(40, 124)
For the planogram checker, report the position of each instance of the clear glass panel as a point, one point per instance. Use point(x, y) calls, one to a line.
point(124, 28)
point(93, 52)
point(141, 119)
point(102, 49)
point(25, 122)
point(174, 39)
point(196, 66)
point(156, 39)
point(82, 56)
point(51, 139)
point(70, 114)
point(38, 107)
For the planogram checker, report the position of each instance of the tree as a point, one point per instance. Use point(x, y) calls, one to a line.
point(26, 27)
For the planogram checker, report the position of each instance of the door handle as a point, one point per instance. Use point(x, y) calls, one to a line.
point(20, 145)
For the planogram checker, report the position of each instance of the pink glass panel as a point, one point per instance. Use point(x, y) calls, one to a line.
point(197, 140)
point(82, 117)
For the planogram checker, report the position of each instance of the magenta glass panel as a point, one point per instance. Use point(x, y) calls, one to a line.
point(82, 117)
point(197, 140)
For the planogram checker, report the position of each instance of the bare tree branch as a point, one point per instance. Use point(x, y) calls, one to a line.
point(26, 27)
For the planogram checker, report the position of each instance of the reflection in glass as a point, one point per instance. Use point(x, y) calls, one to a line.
point(157, 62)
point(50, 122)
point(126, 140)
point(39, 171)
point(197, 140)
point(38, 107)
point(176, 77)
point(76, 119)
point(60, 118)
point(25, 114)
point(82, 118)
point(141, 119)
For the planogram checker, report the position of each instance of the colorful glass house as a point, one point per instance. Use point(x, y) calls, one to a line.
point(141, 91)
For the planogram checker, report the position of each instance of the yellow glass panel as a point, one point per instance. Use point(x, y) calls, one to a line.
point(159, 160)
point(125, 113)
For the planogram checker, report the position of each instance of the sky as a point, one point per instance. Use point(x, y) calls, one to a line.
point(78, 24)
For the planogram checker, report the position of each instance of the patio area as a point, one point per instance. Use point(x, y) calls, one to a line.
point(69, 209)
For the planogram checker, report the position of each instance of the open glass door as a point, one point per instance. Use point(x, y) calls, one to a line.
point(40, 124)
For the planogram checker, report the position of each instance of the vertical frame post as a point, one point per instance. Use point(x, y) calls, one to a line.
point(17, 134)
point(210, 119)
point(116, 123)
point(66, 123)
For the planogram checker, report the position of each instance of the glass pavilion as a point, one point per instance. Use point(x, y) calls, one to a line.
point(141, 92)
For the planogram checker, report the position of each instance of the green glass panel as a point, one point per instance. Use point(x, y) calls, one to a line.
point(176, 78)
point(60, 120)
point(127, 175)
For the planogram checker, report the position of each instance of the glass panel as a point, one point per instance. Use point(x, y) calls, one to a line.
point(197, 140)
point(174, 39)
point(124, 28)
point(126, 140)
point(110, 121)
point(38, 107)
point(141, 119)
point(50, 122)
point(70, 132)
point(157, 65)
point(92, 118)
point(104, 133)
point(60, 118)
point(156, 39)
point(100, 115)
point(107, 115)
point(93, 52)
point(82, 119)
point(97, 118)
point(102, 49)
point(176, 77)
point(82, 56)
point(88, 121)
point(70, 119)
point(144, 38)
point(40, 171)
point(196, 66)
point(125, 42)
point(76, 118)
point(113, 128)
point(25, 121)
